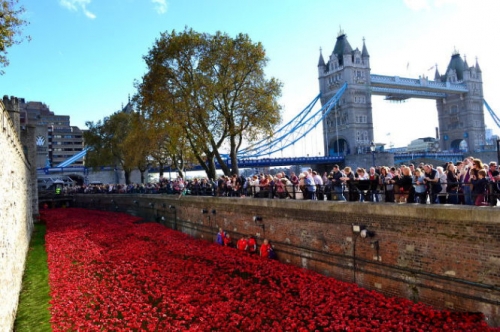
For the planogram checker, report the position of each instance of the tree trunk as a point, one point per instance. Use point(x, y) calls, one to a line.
point(234, 157)
point(211, 170)
point(160, 166)
point(127, 176)
point(225, 169)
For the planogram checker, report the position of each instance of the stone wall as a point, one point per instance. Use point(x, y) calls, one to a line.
point(16, 215)
point(445, 256)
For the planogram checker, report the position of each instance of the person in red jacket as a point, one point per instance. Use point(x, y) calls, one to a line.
point(252, 245)
point(264, 249)
point(228, 241)
point(242, 244)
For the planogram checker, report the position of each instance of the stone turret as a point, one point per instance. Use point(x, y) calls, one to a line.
point(437, 76)
point(12, 106)
point(321, 63)
point(461, 115)
point(349, 127)
point(365, 56)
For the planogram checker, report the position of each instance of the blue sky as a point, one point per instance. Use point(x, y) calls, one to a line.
point(85, 54)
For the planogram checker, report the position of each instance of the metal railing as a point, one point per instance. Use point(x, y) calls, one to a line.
point(353, 191)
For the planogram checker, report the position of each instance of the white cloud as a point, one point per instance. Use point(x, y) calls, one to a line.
point(74, 5)
point(161, 6)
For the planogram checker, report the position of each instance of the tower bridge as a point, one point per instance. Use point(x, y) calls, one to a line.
point(349, 128)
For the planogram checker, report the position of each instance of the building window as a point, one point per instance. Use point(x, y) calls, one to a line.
point(361, 119)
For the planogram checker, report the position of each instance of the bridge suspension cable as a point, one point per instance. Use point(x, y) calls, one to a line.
point(71, 160)
point(293, 131)
point(492, 113)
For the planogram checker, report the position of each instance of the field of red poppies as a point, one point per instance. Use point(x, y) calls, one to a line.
point(109, 273)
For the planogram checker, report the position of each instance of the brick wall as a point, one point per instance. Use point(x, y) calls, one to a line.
point(445, 256)
point(16, 219)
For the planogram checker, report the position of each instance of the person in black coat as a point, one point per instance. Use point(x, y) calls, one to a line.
point(479, 186)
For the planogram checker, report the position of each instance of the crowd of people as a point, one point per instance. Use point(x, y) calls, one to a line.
point(468, 182)
point(246, 243)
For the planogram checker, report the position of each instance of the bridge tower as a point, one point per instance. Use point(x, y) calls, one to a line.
point(461, 116)
point(348, 128)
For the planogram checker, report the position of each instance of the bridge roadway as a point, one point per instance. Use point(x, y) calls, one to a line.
point(395, 87)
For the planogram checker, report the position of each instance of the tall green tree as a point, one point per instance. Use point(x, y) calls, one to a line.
point(108, 143)
point(212, 88)
point(166, 145)
point(136, 144)
point(10, 28)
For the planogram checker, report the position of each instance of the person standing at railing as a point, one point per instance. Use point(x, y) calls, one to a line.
point(479, 187)
point(465, 180)
point(494, 178)
point(318, 183)
point(477, 165)
point(420, 189)
point(348, 180)
point(452, 180)
point(324, 177)
point(310, 186)
point(280, 187)
point(337, 184)
point(294, 179)
point(442, 180)
point(433, 183)
point(363, 183)
point(385, 180)
point(264, 186)
point(405, 184)
point(373, 190)
point(254, 186)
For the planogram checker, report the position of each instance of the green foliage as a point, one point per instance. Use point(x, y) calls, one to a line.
point(212, 92)
point(10, 28)
point(109, 145)
point(33, 311)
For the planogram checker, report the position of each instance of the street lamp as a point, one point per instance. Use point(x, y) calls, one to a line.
point(372, 149)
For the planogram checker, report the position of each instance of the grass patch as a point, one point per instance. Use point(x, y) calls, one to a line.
point(33, 311)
